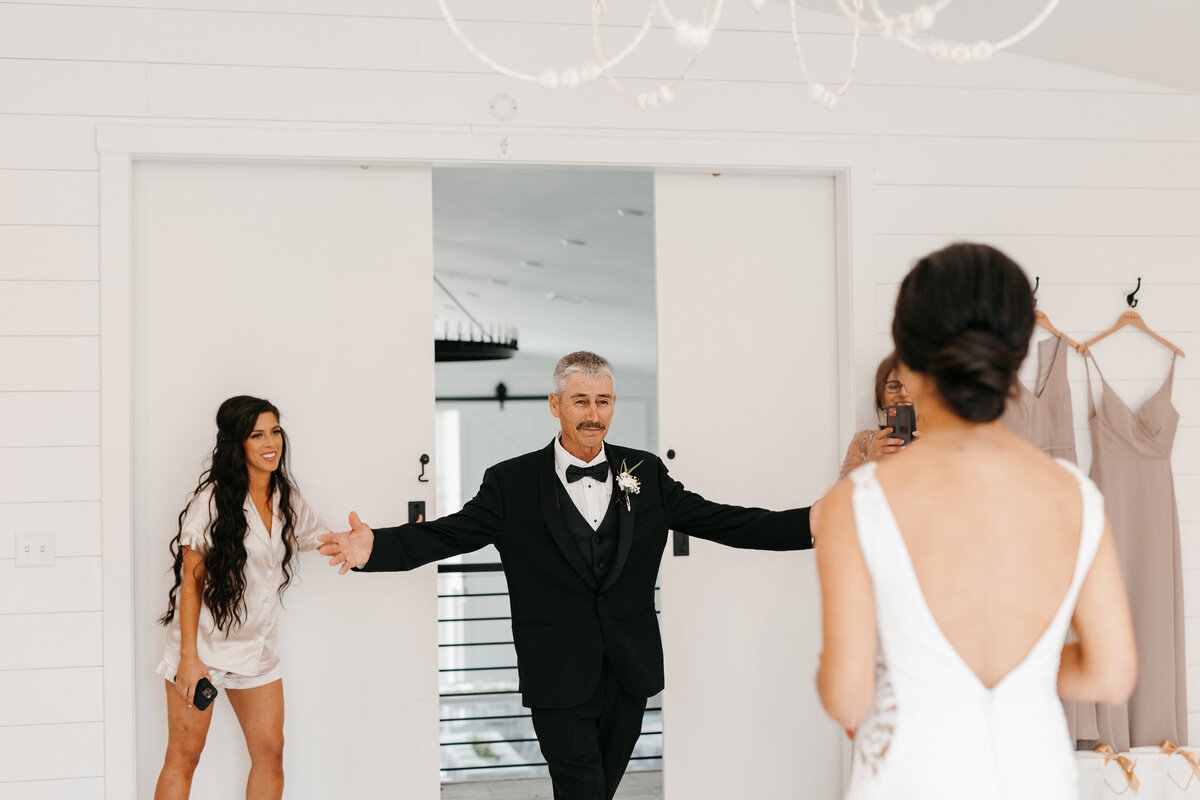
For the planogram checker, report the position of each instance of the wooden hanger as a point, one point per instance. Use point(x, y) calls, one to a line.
point(1129, 318)
point(1040, 318)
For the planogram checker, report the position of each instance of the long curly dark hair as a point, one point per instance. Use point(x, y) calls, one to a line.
point(225, 561)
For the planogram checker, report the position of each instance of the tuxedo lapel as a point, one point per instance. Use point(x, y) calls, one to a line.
point(625, 519)
point(553, 516)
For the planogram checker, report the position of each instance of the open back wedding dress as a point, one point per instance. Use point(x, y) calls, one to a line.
point(935, 730)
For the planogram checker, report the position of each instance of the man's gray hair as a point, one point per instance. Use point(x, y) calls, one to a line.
point(590, 364)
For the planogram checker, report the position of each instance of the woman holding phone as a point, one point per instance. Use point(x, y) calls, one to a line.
point(874, 445)
point(233, 559)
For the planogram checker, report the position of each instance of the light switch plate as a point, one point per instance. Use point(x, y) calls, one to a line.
point(35, 548)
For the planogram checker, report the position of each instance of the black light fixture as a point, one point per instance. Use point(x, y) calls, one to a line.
point(480, 343)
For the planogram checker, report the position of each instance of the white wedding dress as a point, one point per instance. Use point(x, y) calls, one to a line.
point(935, 731)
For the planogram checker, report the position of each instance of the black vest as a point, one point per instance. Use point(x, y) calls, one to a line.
point(599, 547)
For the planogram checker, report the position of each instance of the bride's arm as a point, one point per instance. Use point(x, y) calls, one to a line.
point(1102, 665)
point(846, 676)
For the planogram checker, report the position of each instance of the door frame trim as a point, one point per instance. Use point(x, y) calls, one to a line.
point(850, 163)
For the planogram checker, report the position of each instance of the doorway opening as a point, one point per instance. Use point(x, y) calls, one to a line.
point(565, 260)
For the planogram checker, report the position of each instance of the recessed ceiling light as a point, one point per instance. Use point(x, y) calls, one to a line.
point(573, 242)
point(565, 298)
point(630, 212)
point(497, 282)
point(528, 263)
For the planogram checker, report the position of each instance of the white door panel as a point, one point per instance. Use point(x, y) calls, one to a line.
point(310, 286)
point(748, 388)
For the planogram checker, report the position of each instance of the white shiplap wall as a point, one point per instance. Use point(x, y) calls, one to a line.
point(1088, 180)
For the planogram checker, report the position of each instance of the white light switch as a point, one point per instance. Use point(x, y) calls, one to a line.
point(35, 548)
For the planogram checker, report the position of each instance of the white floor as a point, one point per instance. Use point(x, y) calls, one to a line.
point(635, 786)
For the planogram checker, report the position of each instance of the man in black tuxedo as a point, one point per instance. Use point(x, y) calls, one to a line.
point(580, 526)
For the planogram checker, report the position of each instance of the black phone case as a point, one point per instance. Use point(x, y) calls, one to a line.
point(205, 694)
point(902, 419)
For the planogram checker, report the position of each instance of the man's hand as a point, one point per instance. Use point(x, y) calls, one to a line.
point(814, 520)
point(350, 548)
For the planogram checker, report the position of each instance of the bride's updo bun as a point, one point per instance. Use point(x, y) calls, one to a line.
point(963, 318)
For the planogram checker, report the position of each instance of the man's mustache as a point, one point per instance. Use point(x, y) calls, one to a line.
point(587, 426)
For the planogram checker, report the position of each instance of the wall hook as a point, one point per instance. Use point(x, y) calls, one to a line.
point(424, 461)
point(1129, 298)
point(1037, 281)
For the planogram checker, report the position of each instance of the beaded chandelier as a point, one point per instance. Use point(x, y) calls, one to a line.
point(912, 28)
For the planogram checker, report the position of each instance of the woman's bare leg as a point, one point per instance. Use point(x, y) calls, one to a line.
point(260, 713)
point(187, 730)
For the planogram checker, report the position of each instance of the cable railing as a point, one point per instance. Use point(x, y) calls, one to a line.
point(485, 732)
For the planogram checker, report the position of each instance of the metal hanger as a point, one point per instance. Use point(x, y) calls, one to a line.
point(1040, 318)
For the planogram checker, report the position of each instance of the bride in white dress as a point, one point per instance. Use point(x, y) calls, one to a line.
point(950, 573)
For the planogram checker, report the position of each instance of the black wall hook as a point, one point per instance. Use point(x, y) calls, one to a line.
point(1130, 298)
point(424, 461)
point(1037, 281)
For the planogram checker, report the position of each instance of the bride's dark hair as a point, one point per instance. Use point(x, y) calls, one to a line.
point(225, 562)
point(964, 317)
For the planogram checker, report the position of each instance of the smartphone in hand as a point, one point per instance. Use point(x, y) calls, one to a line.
point(902, 419)
point(205, 694)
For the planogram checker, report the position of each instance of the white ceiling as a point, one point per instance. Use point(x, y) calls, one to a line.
point(1149, 40)
point(487, 221)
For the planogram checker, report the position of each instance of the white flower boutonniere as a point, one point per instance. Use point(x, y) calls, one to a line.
point(627, 483)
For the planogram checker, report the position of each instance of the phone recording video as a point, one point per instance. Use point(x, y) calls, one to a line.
point(902, 419)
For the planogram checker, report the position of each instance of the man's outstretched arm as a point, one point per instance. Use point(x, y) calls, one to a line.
point(409, 546)
point(734, 526)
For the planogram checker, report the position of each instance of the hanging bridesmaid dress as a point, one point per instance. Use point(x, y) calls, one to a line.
point(1131, 463)
point(1043, 418)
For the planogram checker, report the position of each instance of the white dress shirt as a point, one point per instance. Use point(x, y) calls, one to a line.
point(590, 496)
point(251, 648)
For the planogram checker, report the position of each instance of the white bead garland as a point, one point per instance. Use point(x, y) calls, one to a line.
point(697, 36)
point(923, 17)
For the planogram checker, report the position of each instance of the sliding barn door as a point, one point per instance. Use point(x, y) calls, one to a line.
point(748, 383)
point(310, 286)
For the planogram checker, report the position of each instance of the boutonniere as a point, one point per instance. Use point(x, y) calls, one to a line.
point(627, 483)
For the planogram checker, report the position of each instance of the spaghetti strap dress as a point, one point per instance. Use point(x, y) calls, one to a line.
point(1131, 464)
point(1043, 418)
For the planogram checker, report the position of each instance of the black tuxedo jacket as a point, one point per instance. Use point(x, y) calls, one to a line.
point(564, 622)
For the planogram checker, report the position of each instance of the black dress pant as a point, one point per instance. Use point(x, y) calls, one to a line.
point(589, 745)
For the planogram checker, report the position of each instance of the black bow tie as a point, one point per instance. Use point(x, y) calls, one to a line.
point(597, 472)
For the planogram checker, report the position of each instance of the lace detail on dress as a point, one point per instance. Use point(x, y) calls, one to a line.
point(873, 738)
point(858, 453)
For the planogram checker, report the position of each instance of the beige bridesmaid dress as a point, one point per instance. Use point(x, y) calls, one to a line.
point(1131, 463)
point(1043, 416)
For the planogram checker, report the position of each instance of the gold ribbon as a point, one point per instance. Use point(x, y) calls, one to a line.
point(1126, 764)
point(1193, 759)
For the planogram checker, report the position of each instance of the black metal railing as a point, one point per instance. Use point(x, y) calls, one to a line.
point(485, 731)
